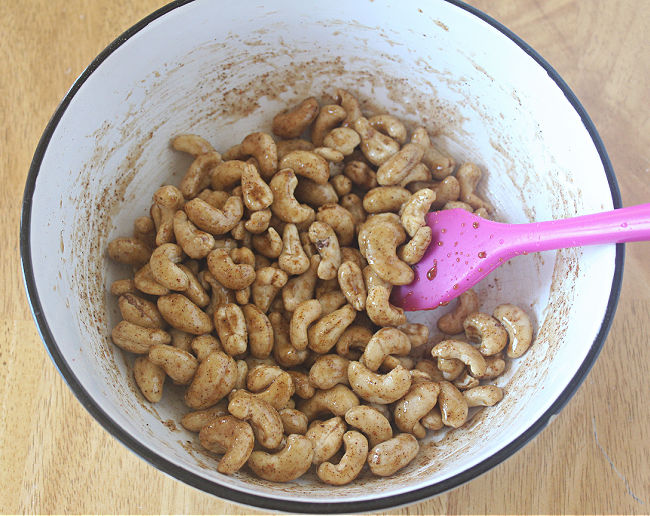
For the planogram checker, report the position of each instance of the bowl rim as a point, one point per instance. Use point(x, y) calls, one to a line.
point(285, 505)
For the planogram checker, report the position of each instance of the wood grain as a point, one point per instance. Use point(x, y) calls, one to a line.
point(594, 458)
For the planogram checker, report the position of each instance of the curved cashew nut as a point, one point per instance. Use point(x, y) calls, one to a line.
point(414, 210)
point(324, 334)
point(214, 379)
point(194, 291)
point(194, 421)
point(465, 381)
point(414, 250)
point(294, 421)
point(416, 404)
point(378, 388)
point(328, 371)
point(337, 400)
point(256, 193)
point(342, 139)
point(301, 383)
point(387, 341)
point(285, 206)
point(453, 406)
point(390, 456)
point(214, 220)
point(292, 259)
point(329, 117)
point(371, 422)
point(468, 176)
point(231, 326)
point(292, 123)
point(219, 294)
point(264, 419)
point(487, 330)
point(431, 369)
point(191, 144)
point(452, 322)
point(354, 336)
point(258, 222)
point(268, 244)
point(519, 328)
point(203, 345)
point(451, 368)
point(262, 147)
point(483, 396)
point(179, 365)
point(380, 242)
point(261, 376)
point(283, 351)
point(351, 464)
point(326, 438)
point(260, 332)
point(340, 220)
point(433, 420)
point(462, 351)
point(324, 239)
point(380, 310)
point(376, 147)
point(352, 285)
point(351, 106)
point(307, 164)
point(315, 194)
point(232, 435)
point(419, 172)
point(385, 198)
point(227, 272)
point(196, 244)
point(227, 174)
point(150, 379)
point(164, 269)
point(288, 464)
point(495, 367)
point(141, 312)
point(131, 251)
point(197, 176)
point(168, 199)
point(305, 314)
point(278, 392)
point(441, 165)
point(399, 165)
point(390, 126)
point(360, 174)
point(183, 314)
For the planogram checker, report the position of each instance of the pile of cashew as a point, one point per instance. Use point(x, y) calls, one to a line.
point(262, 285)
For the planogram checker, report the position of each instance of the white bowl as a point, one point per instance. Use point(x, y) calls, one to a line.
point(223, 70)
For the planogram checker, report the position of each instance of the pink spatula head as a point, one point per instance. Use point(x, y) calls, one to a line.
point(465, 248)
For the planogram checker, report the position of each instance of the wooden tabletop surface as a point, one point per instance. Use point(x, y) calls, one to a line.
point(593, 458)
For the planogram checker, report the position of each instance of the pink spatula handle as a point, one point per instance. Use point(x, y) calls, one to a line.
point(622, 225)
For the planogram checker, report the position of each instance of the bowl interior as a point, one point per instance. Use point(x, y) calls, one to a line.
point(223, 73)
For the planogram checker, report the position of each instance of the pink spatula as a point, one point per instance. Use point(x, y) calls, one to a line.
point(465, 248)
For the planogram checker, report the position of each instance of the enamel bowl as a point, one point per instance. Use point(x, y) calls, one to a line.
point(223, 71)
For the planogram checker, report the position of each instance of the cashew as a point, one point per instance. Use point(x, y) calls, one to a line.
point(292, 259)
point(326, 438)
point(380, 310)
point(194, 291)
point(462, 351)
point(341, 184)
point(329, 117)
point(258, 222)
point(232, 435)
point(337, 401)
point(483, 396)
point(324, 334)
point(304, 315)
point(292, 123)
point(149, 378)
point(168, 200)
point(293, 421)
point(414, 250)
point(465, 381)
point(229, 274)
point(264, 419)
point(350, 465)
point(286, 146)
point(328, 371)
point(433, 420)
point(181, 313)
point(283, 352)
point(390, 126)
point(230, 324)
point(452, 322)
point(495, 367)
point(141, 312)
point(483, 328)
point(385, 198)
point(323, 237)
point(354, 336)
point(278, 392)
point(194, 421)
point(214, 379)
point(268, 244)
point(288, 464)
point(192, 144)
point(390, 456)
point(351, 106)
point(203, 345)
point(342, 139)
point(351, 254)
point(416, 404)
point(518, 326)
point(215, 220)
point(378, 388)
point(352, 285)
point(219, 294)
point(414, 210)
point(260, 332)
point(440, 164)
point(453, 406)
point(137, 339)
point(371, 422)
point(380, 242)
point(123, 286)
point(385, 342)
point(257, 195)
point(128, 250)
point(196, 244)
point(431, 369)
point(360, 174)
point(301, 383)
point(307, 164)
point(468, 176)
point(262, 147)
point(398, 166)
point(315, 194)
point(197, 176)
point(163, 267)
point(451, 368)
point(285, 206)
point(354, 204)
point(376, 147)
point(179, 365)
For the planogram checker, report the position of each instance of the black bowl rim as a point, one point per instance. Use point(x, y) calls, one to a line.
point(287, 505)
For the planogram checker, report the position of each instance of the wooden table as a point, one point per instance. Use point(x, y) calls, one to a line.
point(594, 458)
